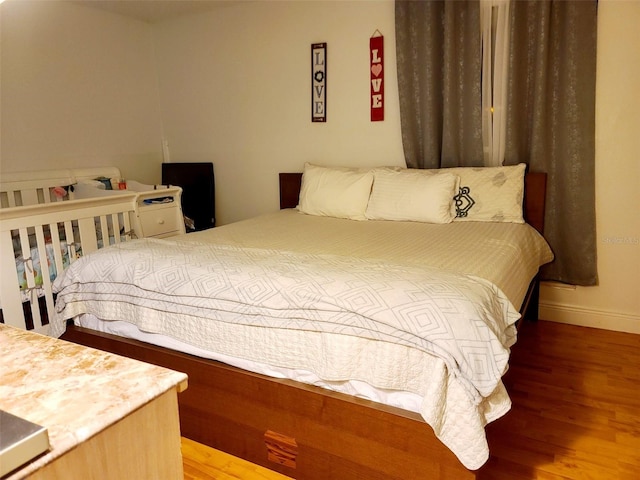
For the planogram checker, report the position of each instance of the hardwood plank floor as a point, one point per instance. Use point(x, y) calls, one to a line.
point(575, 414)
point(204, 463)
point(576, 406)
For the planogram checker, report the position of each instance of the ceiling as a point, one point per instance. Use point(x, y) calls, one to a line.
point(153, 11)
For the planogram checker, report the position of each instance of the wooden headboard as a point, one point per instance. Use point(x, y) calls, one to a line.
point(535, 188)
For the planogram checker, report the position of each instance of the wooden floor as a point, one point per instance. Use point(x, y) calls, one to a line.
point(203, 463)
point(576, 406)
point(575, 414)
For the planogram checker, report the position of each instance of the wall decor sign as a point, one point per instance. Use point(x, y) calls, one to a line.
point(318, 82)
point(376, 64)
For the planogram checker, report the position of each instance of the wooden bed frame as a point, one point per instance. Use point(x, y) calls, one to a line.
point(302, 431)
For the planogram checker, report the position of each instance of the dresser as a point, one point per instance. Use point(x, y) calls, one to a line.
point(158, 212)
point(107, 417)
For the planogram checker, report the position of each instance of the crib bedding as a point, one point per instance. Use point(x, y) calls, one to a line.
point(23, 267)
point(32, 265)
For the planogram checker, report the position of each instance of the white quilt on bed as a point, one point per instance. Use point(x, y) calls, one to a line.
point(370, 316)
point(506, 254)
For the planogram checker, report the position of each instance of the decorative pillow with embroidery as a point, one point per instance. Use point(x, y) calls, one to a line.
point(489, 194)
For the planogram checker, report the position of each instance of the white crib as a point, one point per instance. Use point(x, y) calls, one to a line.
point(46, 223)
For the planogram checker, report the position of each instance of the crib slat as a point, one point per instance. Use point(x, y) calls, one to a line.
point(30, 270)
point(10, 297)
point(11, 198)
point(71, 241)
point(46, 278)
point(104, 227)
point(128, 232)
point(29, 197)
point(23, 236)
point(57, 247)
point(115, 221)
point(88, 237)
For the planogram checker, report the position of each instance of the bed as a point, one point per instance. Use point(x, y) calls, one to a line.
point(291, 424)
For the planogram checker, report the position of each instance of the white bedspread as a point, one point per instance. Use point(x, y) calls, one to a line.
point(506, 254)
point(395, 324)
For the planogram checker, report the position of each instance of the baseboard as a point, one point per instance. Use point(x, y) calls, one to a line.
point(588, 317)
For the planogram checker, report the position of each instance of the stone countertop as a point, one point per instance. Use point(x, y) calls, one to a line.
point(73, 391)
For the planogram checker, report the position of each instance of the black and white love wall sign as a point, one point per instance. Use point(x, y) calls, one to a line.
point(318, 82)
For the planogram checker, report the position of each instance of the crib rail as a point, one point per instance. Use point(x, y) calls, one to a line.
point(39, 241)
point(20, 189)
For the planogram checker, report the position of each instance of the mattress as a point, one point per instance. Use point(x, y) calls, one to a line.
point(456, 394)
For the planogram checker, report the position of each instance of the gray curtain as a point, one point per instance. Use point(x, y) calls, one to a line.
point(439, 61)
point(551, 107)
point(551, 124)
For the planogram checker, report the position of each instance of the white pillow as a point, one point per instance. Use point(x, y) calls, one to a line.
point(335, 192)
point(489, 194)
point(412, 195)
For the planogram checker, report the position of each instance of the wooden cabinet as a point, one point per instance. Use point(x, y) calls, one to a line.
point(108, 417)
point(140, 445)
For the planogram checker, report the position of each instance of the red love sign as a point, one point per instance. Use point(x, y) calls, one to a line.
point(376, 56)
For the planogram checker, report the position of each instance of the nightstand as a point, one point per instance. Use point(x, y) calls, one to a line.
point(158, 212)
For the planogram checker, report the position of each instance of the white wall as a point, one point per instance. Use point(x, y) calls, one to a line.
point(236, 90)
point(79, 88)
